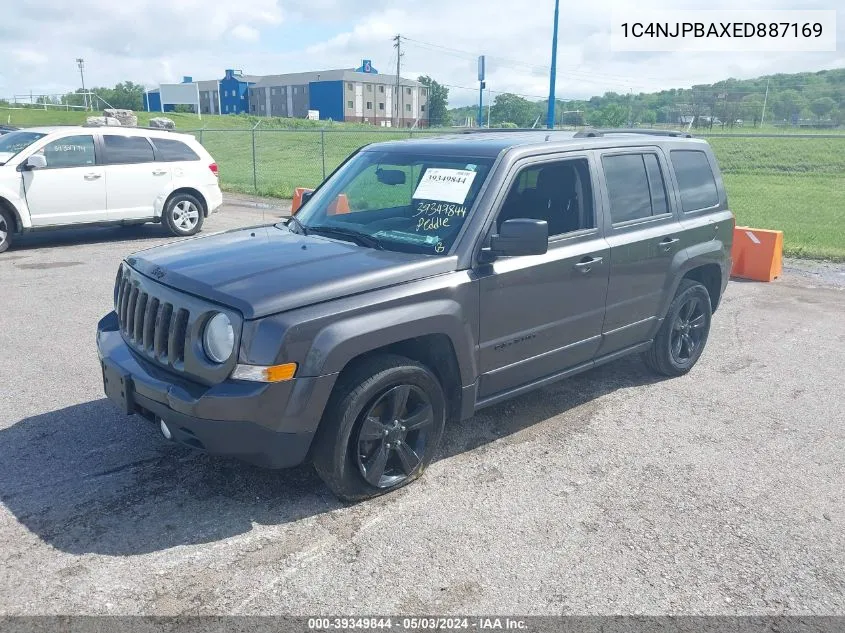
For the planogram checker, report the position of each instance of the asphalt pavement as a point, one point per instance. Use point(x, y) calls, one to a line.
point(720, 492)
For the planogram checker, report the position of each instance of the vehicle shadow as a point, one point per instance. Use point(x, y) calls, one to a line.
point(86, 479)
point(88, 235)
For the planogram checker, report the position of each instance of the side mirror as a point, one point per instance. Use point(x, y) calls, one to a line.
point(390, 176)
point(521, 236)
point(300, 197)
point(36, 161)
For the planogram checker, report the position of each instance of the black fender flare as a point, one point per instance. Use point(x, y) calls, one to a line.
point(342, 341)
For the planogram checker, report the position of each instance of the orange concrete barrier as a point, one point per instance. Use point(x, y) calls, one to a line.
point(339, 205)
point(757, 254)
point(297, 199)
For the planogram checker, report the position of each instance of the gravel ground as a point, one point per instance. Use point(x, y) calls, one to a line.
point(613, 492)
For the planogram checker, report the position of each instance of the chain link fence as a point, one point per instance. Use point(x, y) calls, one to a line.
point(792, 183)
point(272, 162)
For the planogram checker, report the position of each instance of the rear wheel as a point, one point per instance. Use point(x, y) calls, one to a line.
point(683, 335)
point(381, 428)
point(7, 229)
point(183, 215)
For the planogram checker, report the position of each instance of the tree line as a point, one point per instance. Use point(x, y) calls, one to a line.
point(812, 99)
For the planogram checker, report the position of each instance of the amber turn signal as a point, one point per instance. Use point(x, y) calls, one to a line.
point(262, 373)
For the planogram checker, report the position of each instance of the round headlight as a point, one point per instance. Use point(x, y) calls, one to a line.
point(219, 338)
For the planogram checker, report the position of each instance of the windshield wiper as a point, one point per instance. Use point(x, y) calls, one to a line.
point(299, 224)
point(362, 239)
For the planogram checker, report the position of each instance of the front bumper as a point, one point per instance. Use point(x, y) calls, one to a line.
point(267, 424)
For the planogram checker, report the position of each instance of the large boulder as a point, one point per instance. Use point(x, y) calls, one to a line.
point(101, 120)
point(126, 117)
point(162, 122)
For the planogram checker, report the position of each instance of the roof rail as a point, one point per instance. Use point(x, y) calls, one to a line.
point(497, 130)
point(592, 132)
point(131, 127)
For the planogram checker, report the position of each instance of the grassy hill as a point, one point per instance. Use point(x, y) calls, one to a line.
point(815, 99)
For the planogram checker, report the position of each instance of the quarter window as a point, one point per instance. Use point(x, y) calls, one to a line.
point(70, 151)
point(123, 150)
point(635, 186)
point(695, 180)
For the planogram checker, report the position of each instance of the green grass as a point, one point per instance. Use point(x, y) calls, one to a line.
point(796, 185)
point(793, 185)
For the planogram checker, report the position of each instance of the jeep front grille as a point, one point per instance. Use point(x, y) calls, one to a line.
point(152, 326)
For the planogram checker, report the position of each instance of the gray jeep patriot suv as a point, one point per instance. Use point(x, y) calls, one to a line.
point(423, 280)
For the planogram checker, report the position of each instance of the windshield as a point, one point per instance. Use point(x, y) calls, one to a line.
point(13, 142)
point(397, 200)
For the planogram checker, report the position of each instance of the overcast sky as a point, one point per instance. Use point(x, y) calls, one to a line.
point(152, 41)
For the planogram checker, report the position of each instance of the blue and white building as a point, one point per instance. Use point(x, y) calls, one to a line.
point(361, 95)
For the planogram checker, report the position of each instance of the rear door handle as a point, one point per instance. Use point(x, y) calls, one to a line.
point(586, 264)
point(159, 172)
point(666, 243)
point(93, 176)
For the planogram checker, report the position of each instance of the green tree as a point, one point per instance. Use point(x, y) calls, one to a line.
point(438, 95)
point(822, 107)
point(125, 95)
point(613, 115)
point(512, 108)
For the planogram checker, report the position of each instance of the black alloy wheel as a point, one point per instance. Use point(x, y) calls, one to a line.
point(688, 330)
point(381, 427)
point(393, 435)
point(680, 341)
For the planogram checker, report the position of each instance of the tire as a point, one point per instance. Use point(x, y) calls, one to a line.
point(7, 229)
point(683, 334)
point(363, 448)
point(183, 215)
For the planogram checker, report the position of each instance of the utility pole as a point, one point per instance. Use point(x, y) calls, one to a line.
point(481, 85)
point(81, 63)
point(550, 115)
point(398, 47)
point(765, 98)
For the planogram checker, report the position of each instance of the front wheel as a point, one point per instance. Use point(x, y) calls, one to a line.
point(381, 428)
point(183, 215)
point(7, 228)
point(683, 335)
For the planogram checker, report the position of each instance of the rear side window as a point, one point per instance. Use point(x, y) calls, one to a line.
point(635, 185)
point(171, 150)
point(123, 150)
point(695, 180)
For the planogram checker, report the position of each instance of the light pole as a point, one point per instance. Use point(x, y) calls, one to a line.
point(550, 114)
point(81, 63)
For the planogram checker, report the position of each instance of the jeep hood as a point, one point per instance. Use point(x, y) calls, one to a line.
point(269, 269)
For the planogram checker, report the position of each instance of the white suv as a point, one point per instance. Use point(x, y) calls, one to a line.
point(54, 177)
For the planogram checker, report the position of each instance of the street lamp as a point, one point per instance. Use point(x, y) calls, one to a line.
point(81, 63)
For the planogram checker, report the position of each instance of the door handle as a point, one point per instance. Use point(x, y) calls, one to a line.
point(667, 242)
point(586, 264)
point(93, 176)
point(159, 172)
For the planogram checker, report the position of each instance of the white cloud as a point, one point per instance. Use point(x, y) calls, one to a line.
point(246, 33)
point(152, 41)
